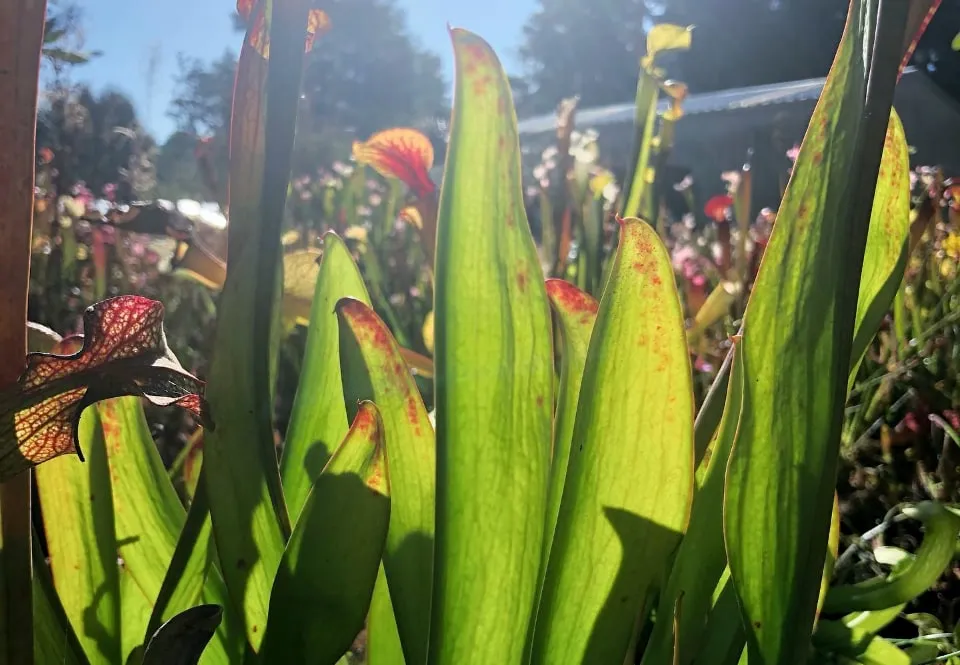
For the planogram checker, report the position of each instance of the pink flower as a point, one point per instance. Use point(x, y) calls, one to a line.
point(683, 255)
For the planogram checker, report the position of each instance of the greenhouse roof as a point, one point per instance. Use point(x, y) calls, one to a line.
point(722, 100)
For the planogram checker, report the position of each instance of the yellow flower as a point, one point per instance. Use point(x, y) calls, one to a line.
point(951, 245)
point(358, 233)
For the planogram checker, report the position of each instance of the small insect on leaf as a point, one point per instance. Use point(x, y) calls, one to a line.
point(254, 14)
point(401, 153)
point(123, 352)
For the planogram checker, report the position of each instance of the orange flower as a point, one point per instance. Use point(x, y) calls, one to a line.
point(46, 155)
point(404, 154)
point(258, 34)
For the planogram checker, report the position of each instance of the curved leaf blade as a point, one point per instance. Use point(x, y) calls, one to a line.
point(318, 420)
point(411, 455)
point(149, 521)
point(182, 639)
point(933, 556)
point(243, 480)
point(577, 312)
point(79, 524)
point(494, 380)
point(699, 564)
point(630, 478)
point(55, 642)
point(797, 343)
point(383, 637)
point(885, 257)
point(323, 587)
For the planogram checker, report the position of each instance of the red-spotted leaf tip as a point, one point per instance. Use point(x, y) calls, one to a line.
point(565, 295)
point(349, 306)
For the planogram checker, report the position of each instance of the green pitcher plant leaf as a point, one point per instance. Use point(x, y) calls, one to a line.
point(182, 639)
point(318, 420)
point(797, 339)
point(849, 634)
point(194, 577)
point(383, 636)
point(494, 379)
point(250, 521)
point(78, 519)
point(323, 587)
point(885, 256)
point(134, 615)
point(933, 556)
point(648, 89)
point(699, 564)
point(664, 37)
point(629, 482)
point(149, 520)
point(55, 641)
point(411, 456)
point(576, 313)
point(834, 638)
point(723, 638)
point(123, 352)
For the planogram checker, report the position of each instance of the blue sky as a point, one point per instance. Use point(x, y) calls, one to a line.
point(131, 32)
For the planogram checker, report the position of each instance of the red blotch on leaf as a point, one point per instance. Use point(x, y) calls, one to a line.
point(565, 296)
point(364, 322)
point(364, 420)
point(522, 280)
point(413, 414)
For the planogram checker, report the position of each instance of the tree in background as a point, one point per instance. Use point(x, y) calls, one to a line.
point(63, 39)
point(201, 108)
point(935, 53)
point(590, 47)
point(366, 73)
point(96, 139)
point(739, 43)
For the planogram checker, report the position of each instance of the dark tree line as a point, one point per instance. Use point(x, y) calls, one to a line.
point(591, 47)
point(369, 73)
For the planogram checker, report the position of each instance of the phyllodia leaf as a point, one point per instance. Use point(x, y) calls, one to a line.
point(123, 352)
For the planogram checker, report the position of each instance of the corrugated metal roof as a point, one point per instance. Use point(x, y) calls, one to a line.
point(723, 100)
